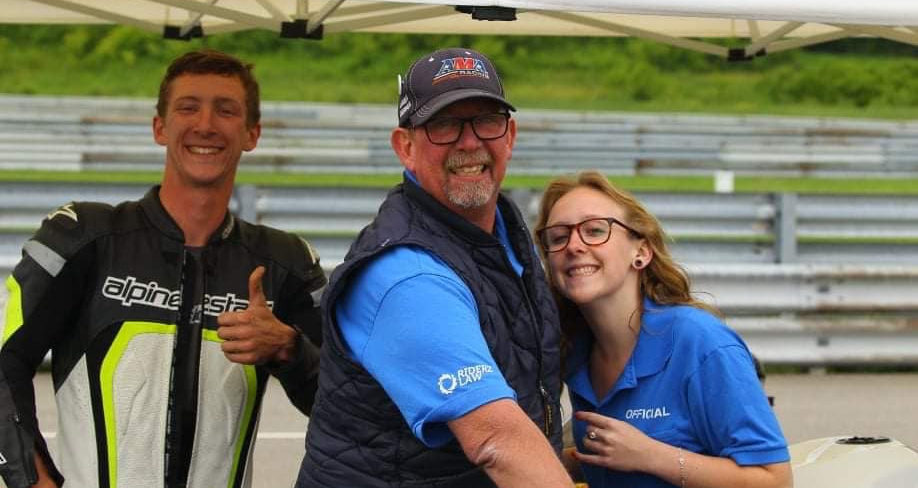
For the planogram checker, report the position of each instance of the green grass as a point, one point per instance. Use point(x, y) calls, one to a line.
point(32, 176)
point(685, 184)
point(877, 240)
point(873, 186)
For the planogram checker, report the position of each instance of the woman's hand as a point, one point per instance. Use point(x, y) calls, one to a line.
point(619, 446)
point(614, 444)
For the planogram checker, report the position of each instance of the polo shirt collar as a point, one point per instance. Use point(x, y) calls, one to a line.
point(655, 344)
point(650, 355)
point(500, 227)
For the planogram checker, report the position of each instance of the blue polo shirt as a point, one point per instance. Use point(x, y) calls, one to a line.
point(412, 322)
point(690, 382)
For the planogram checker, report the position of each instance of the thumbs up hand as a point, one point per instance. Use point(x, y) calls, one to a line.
point(255, 335)
point(256, 291)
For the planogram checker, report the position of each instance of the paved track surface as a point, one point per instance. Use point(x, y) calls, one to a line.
point(808, 406)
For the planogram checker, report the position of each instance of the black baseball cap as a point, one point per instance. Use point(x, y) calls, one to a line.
point(444, 77)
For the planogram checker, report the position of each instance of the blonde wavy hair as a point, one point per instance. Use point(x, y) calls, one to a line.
point(662, 280)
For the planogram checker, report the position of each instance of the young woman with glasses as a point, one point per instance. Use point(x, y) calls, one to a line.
point(664, 393)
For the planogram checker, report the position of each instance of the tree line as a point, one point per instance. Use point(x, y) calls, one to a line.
point(854, 77)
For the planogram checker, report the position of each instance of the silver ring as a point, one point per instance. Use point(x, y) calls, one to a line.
point(591, 435)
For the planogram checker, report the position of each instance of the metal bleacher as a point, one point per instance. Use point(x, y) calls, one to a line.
point(806, 278)
point(83, 133)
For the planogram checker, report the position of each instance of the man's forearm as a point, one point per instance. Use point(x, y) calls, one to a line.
point(509, 447)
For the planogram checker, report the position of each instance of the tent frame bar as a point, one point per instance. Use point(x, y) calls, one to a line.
point(102, 14)
point(704, 47)
point(333, 17)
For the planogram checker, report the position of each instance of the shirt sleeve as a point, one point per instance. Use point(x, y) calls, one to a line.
point(731, 412)
point(413, 324)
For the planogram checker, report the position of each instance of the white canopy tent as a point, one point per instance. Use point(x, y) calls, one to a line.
point(760, 25)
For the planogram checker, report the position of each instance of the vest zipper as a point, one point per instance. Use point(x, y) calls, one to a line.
point(547, 420)
point(546, 405)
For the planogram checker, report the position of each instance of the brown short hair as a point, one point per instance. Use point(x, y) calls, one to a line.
point(210, 61)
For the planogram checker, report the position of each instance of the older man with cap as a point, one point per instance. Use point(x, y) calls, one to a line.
point(440, 365)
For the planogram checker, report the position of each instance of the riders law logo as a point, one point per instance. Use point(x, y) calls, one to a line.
point(129, 291)
point(465, 376)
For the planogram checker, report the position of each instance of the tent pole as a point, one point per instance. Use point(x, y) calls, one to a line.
point(754, 33)
point(272, 9)
point(225, 13)
point(389, 19)
point(704, 47)
point(774, 35)
point(785, 45)
point(193, 19)
point(103, 14)
point(316, 20)
point(884, 32)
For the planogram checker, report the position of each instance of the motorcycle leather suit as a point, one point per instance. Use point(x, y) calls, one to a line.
point(145, 395)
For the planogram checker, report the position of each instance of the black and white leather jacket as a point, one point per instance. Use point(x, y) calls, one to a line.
point(145, 395)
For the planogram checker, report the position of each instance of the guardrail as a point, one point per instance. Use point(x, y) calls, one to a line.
point(818, 314)
point(806, 279)
point(107, 133)
point(706, 227)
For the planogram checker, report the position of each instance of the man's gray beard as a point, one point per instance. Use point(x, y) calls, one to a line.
point(469, 195)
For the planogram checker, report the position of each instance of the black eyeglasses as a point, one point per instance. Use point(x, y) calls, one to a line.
point(447, 130)
point(593, 232)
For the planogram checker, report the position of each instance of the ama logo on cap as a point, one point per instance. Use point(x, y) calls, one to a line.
point(458, 67)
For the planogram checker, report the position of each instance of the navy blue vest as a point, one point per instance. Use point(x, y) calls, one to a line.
point(357, 437)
